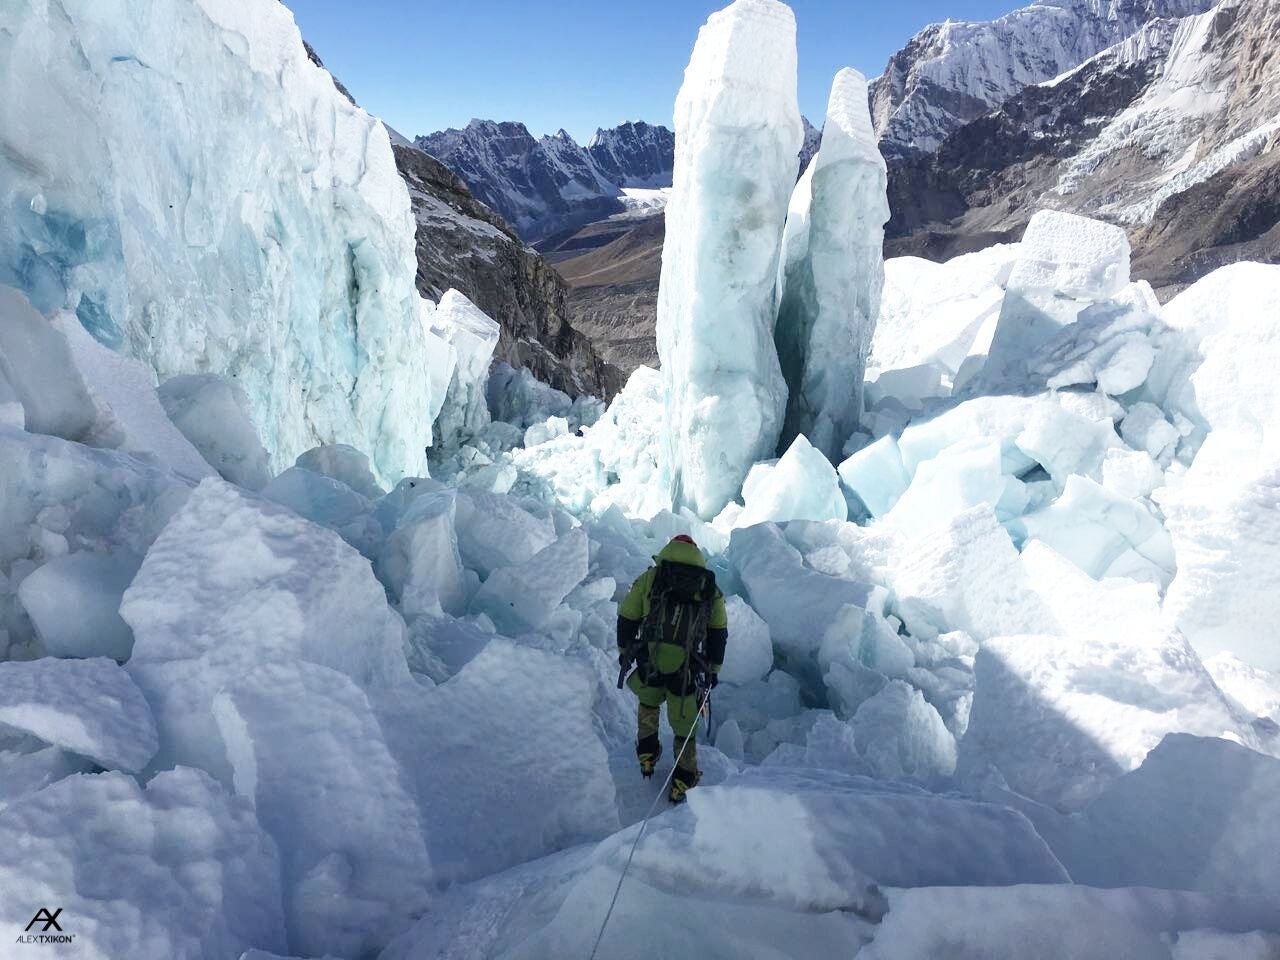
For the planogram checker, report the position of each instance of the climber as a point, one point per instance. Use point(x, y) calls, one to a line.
point(672, 625)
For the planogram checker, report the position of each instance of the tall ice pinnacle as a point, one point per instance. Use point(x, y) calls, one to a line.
point(738, 131)
point(832, 273)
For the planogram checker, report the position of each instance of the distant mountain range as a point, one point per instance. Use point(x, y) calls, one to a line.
point(548, 184)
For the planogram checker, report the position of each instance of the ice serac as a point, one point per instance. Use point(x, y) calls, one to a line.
point(737, 134)
point(474, 336)
point(831, 273)
point(236, 582)
point(203, 198)
point(1065, 265)
point(306, 748)
point(1222, 513)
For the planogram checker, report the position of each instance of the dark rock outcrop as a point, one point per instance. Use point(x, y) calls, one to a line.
point(465, 245)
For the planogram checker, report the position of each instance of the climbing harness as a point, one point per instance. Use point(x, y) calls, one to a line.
point(640, 833)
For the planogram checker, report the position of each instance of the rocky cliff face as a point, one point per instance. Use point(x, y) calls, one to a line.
point(465, 245)
point(952, 73)
point(1171, 133)
point(634, 154)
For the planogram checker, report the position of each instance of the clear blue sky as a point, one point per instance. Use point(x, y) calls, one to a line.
point(423, 65)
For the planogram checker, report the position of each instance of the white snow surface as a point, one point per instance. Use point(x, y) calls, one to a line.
point(178, 869)
point(236, 582)
point(981, 64)
point(1221, 514)
point(89, 707)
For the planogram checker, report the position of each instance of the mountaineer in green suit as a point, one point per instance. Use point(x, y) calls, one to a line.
point(672, 625)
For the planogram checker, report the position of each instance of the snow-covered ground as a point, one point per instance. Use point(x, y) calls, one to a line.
point(644, 201)
point(1001, 680)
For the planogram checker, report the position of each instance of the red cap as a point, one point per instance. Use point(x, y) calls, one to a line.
point(684, 538)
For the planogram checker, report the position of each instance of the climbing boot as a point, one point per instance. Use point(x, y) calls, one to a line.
point(683, 781)
point(649, 752)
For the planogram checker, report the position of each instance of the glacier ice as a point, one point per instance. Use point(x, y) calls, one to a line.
point(59, 498)
point(329, 503)
point(306, 749)
point(515, 765)
point(213, 414)
point(1105, 534)
point(796, 616)
point(1145, 427)
point(963, 476)
point(1060, 717)
point(848, 835)
point(737, 135)
point(899, 734)
point(522, 598)
point(89, 707)
point(176, 869)
point(939, 314)
point(1185, 818)
point(1222, 513)
point(802, 485)
point(519, 398)
point(129, 412)
point(235, 582)
point(965, 576)
point(39, 374)
point(345, 464)
point(496, 531)
point(263, 232)
point(1065, 264)
point(876, 475)
point(409, 692)
point(420, 563)
point(473, 336)
point(1110, 345)
point(831, 273)
point(750, 656)
point(74, 603)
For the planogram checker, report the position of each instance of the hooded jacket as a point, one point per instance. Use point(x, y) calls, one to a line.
point(635, 606)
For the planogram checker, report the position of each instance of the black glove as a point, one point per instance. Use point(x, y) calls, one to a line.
point(626, 659)
point(711, 680)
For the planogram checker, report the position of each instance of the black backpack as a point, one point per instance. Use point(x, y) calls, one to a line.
point(680, 604)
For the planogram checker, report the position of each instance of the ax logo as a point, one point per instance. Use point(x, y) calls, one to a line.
point(49, 919)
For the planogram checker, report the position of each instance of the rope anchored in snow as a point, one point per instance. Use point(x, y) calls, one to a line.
point(702, 705)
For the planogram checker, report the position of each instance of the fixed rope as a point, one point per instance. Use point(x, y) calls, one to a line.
point(643, 824)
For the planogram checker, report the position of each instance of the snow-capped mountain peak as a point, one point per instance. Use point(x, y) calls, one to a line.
point(953, 72)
